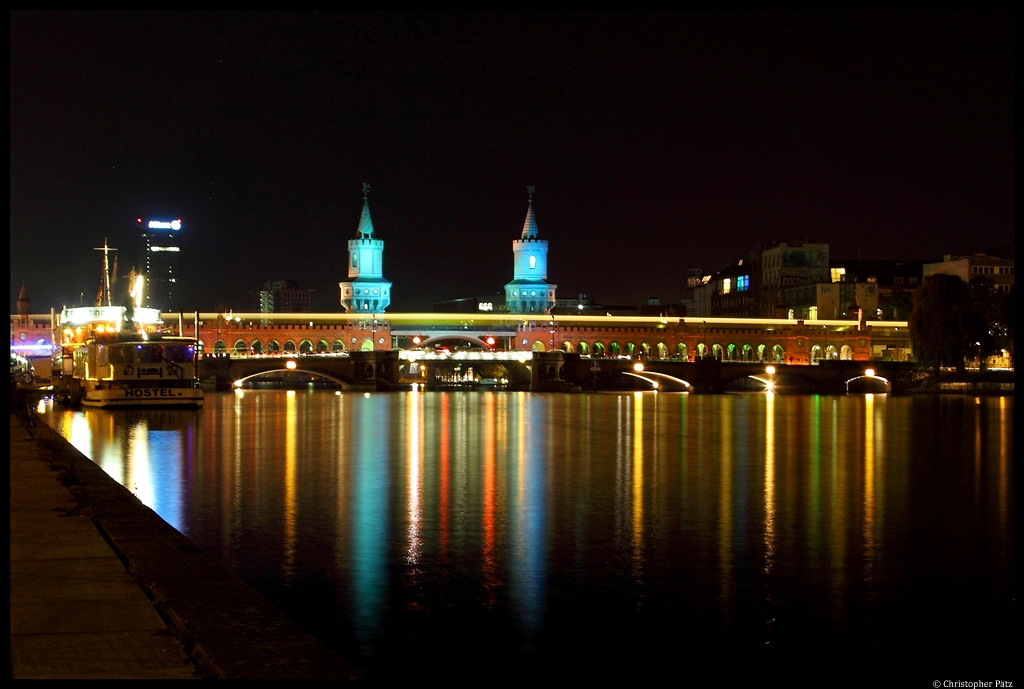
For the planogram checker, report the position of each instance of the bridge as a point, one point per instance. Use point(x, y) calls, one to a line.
point(684, 338)
point(557, 371)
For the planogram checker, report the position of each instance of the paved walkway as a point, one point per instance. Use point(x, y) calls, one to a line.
point(75, 611)
point(101, 587)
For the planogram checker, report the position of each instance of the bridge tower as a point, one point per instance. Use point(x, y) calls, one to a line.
point(366, 290)
point(529, 292)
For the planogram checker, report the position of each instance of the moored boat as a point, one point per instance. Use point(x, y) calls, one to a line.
point(110, 357)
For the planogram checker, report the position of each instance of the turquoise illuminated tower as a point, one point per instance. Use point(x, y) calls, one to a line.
point(529, 292)
point(366, 290)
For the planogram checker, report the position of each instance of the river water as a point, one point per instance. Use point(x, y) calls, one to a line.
point(614, 536)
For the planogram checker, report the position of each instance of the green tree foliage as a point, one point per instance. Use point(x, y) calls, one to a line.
point(944, 323)
point(896, 306)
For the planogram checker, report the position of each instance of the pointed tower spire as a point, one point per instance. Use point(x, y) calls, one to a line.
point(530, 226)
point(366, 290)
point(24, 303)
point(365, 224)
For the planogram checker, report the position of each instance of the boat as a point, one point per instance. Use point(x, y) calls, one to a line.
point(116, 356)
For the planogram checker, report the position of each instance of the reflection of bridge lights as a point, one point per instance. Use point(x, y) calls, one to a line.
point(290, 365)
point(769, 387)
point(238, 385)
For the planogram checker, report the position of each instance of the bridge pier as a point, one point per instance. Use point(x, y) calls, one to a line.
point(375, 370)
point(549, 372)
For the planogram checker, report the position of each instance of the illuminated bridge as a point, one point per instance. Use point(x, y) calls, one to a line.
point(465, 350)
point(796, 342)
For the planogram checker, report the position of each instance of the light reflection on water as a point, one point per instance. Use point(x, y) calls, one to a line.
point(529, 528)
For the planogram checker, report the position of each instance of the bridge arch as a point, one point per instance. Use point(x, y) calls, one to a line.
point(716, 351)
point(681, 351)
point(778, 354)
point(613, 349)
point(581, 348)
point(322, 347)
point(846, 352)
point(257, 347)
point(748, 353)
point(219, 347)
point(273, 347)
point(338, 346)
point(305, 347)
point(289, 347)
point(538, 346)
point(343, 383)
point(599, 350)
point(241, 347)
point(366, 345)
point(454, 336)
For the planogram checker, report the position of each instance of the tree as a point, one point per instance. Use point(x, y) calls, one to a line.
point(896, 305)
point(944, 324)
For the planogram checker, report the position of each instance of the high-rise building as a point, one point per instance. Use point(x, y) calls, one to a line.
point(529, 292)
point(160, 264)
point(284, 296)
point(366, 290)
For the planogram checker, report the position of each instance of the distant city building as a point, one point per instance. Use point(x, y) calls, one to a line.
point(731, 292)
point(529, 292)
point(284, 296)
point(160, 263)
point(790, 264)
point(998, 270)
point(366, 290)
point(31, 336)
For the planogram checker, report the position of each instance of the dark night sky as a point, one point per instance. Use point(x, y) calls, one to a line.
point(657, 142)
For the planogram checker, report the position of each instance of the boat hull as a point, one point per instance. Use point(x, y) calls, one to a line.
point(144, 397)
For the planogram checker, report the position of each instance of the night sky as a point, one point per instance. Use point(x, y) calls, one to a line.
point(656, 142)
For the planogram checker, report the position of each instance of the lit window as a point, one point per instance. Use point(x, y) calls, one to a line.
point(837, 274)
point(726, 285)
point(533, 262)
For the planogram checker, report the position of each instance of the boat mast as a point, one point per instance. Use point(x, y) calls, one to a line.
point(104, 295)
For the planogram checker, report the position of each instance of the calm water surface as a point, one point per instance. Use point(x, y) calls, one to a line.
point(614, 535)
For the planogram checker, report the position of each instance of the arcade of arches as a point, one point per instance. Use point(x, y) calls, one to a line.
point(789, 343)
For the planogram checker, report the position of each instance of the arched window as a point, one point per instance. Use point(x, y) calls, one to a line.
point(241, 347)
point(257, 347)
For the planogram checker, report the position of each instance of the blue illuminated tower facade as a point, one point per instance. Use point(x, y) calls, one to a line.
point(366, 290)
point(529, 291)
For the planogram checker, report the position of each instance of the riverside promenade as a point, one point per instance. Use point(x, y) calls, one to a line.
point(102, 587)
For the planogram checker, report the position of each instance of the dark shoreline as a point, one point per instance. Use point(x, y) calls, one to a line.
point(228, 630)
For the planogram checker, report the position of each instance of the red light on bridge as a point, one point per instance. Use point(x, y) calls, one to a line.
point(416, 340)
point(490, 341)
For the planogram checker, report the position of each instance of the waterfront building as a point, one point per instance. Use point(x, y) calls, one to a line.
point(998, 270)
point(366, 290)
point(790, 264)
point(731, 292)
point(529, 291)
point(160, 264)
point(31, 334)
